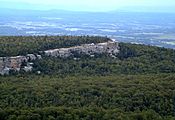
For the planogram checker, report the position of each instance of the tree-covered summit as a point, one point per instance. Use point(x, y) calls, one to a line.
point(138, 84)
point(22, 45)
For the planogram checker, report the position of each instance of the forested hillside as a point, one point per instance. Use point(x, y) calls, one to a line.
point(137, 85)
point(22, 45)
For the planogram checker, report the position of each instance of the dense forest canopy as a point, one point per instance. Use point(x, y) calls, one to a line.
point(21, 45)
point(137, 85)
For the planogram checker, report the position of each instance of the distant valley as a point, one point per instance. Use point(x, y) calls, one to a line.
point(140, 28)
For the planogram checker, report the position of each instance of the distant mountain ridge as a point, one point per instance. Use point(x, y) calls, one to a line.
point(62, 11)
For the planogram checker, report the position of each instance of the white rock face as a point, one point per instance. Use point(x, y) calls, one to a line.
point(15, 63)
point(11, 63)
point(110, 48)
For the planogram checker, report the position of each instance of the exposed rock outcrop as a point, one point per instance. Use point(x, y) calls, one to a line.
point(16, 63)
point(110, 48)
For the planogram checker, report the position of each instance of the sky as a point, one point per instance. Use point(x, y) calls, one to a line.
point(90, 5)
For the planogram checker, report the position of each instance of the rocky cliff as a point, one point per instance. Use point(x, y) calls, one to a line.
point(110, 48)
point(15, 63)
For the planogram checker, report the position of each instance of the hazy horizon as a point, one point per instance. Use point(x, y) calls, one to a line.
point(92, 5)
